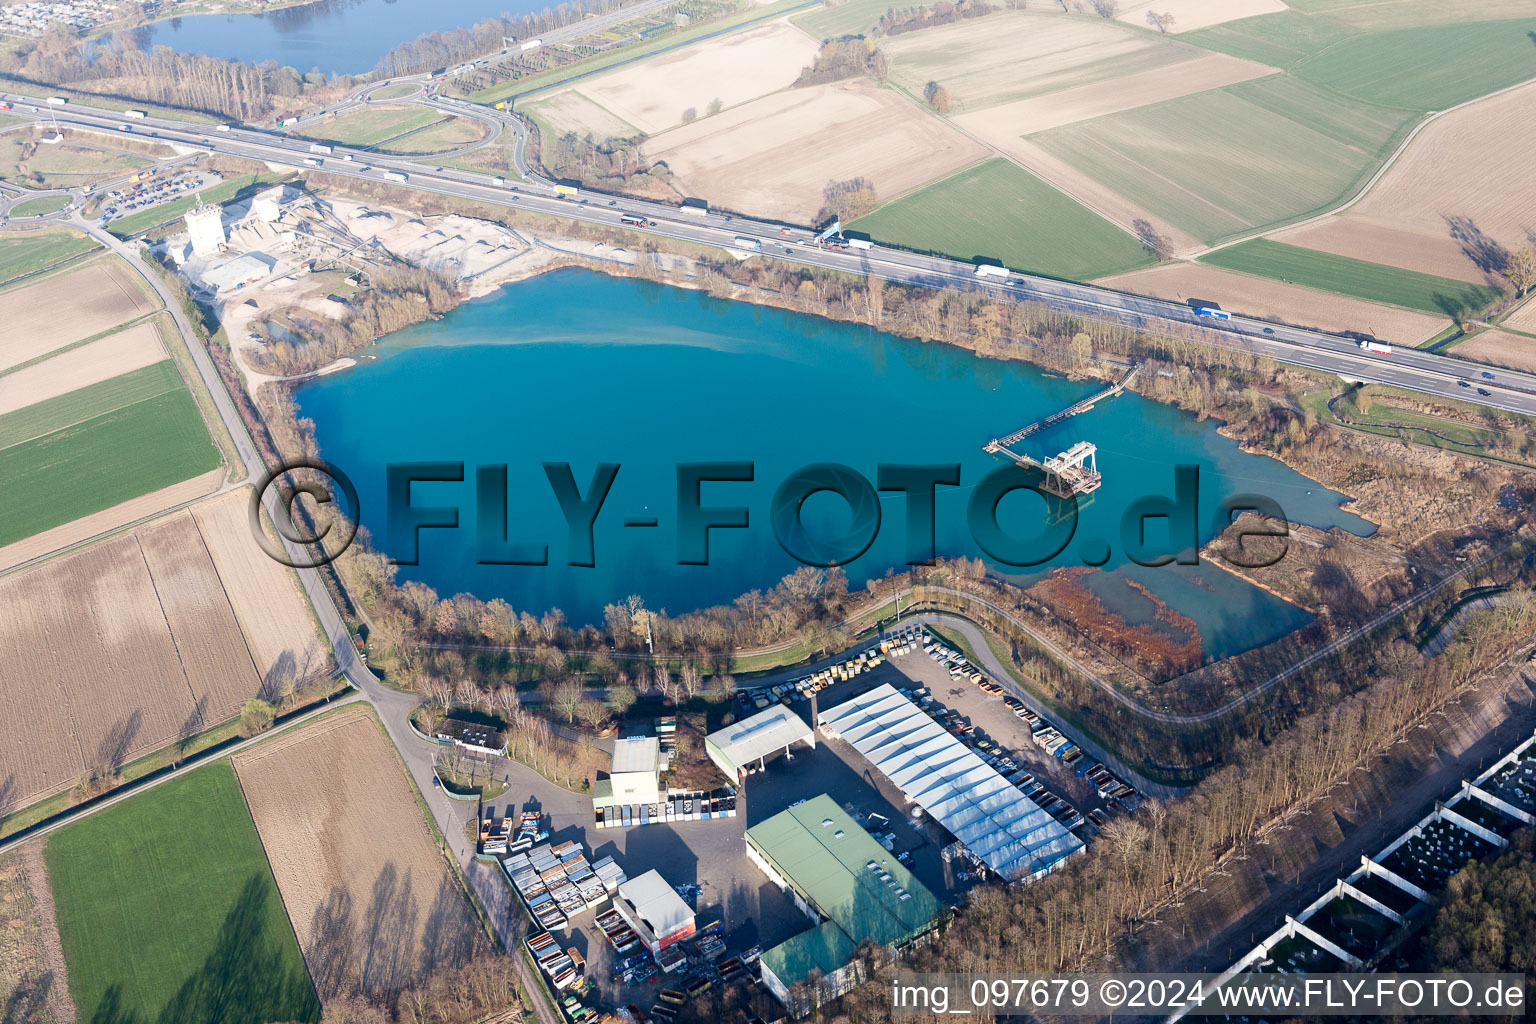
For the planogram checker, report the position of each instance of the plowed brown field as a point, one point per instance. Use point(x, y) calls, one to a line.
point(374, 903)
point(1446, 206)
point(62, 310)
point(772, 157)
point(269, 604)
point(115, 651)
point(1500, 348)
point(89, 364)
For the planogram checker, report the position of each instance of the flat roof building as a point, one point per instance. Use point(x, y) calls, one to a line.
point(750, 740)
point(654, 910)
point(635, 777)
point(992, 818)
point(843, 879)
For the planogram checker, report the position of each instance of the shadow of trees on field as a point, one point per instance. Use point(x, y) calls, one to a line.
point(1485, 253)
point(28, 1001)
point(112, 752)
point(7, 794)
point(246, 979)
point(374, 951)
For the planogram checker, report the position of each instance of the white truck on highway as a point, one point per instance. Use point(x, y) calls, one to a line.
point(986, 269)
point(862, 243)
point(743, 242)
point(1379, 347)
point(57, 101)
point(135, 115)
point(315, 147)
point(395, 175)
point(313, 161)
point(530, 44)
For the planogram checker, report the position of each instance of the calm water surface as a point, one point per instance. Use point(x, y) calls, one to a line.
point(344, 37)
point(581, 368)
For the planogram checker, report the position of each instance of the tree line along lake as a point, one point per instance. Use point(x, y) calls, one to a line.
point(343, 37)
point(577, 367)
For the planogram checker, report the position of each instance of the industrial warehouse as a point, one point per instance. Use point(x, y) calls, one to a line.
point(742, 748)
point(847, 883)
point(996, 823)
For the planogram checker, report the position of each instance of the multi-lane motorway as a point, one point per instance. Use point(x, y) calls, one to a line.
point(1319, 350)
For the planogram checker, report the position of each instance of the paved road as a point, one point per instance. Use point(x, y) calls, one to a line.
point(392, 706)
point(1406, 368)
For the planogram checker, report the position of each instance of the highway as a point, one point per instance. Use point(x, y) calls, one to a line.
point(1413, 370)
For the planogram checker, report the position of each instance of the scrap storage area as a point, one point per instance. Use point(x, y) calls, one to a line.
point(996, 824)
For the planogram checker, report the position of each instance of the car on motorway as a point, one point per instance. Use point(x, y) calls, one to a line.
point(1462, 384)
point(1487, 375)
point(613, 202)
point(1269, 330)
point(1484, 392)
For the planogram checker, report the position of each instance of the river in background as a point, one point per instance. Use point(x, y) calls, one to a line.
point(582, 368)
point(344, 37)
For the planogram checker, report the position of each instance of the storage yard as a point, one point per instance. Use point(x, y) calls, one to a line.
point(371, 916)
point(629, 914)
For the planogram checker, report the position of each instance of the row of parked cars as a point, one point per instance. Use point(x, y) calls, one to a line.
point(802, 688)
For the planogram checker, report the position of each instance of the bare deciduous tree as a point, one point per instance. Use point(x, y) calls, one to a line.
point(1162, 22)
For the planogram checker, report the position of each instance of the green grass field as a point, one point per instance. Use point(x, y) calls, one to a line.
point(1220, 163)
point(370, 125)
point(42, 204)
point(71, 456)
point(445, 134)
point(1419, 68)
point(25, 253)
point(232, 188)
point(168, 911)
point(999, 210)
point(1345, 276)
point(395, 91)
point(854, 18)
point(1429, 68)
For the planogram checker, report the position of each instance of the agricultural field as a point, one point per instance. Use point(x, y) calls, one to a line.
point(1003, 124)
point(154, 636)
point(1189, 15)
point(1394, 54)
point(132, 348)
point(734, 69)
point(1373, 281)
point(92, 414)
point(1523, 318)
point(371, 916)
point(833, 21)
point(33, 984)
point(112, 454)
point(1011, 56)
point(33, 251)
point(1499, 348)
point(568, 110)
point(269, 604)
point(168, 911)
point(998, 210)
point(68, 308)
point(1286, 303)
point(1223, 162)
point(774, 156)
point(1444, 206)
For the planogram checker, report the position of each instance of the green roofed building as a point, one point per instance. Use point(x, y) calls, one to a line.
point(842, 878)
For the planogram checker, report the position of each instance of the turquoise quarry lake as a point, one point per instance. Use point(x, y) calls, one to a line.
point(581, 368)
